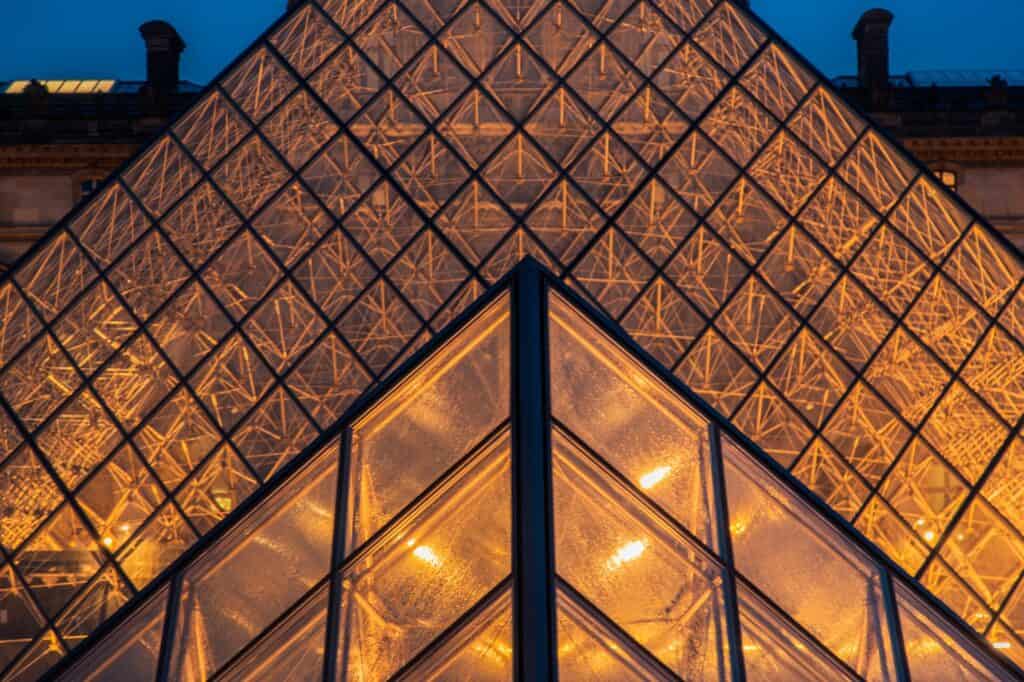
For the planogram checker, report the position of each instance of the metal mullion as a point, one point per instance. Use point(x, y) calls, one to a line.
point(286, 274)
point(118, 173)
point(646, 503)
point(997, 614)
point(237, 327)
point(38, 637)
point(782, 614)
point(171, 610)
point(340, 531)
point(955, 378)
point(142, 330)
point(286, 473)
point(913, 161)
point(464, 621)
point(385, 173)
point(632, 646)
point(973, 492)
point(725, 551)
point(896, 640)
point(533, 565)
point(654, 171)
point(475, 85)
point(373, 541)
point(695, 126)
point(48, 623)
point(752, 271)
point(28, 440)
point(633, 349)
point(246, 225)
point(660, 270)
point(256, 640)
point(561, 172)
point(856, 538)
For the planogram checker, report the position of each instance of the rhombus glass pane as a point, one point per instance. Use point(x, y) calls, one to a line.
point(344, 189)
point(424, 572)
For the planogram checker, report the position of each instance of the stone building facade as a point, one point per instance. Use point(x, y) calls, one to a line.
point(60, 139)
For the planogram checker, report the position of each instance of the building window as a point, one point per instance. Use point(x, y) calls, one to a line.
point(89, 186)
point(947, 178)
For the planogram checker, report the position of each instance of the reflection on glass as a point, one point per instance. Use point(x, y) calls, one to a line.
point(130, 652)
point(775, 651)
point(429, 421)
point(806, 567)
point(425, 571)
point(480, 651)
point(630, 418)
point(254, 574)
point(936, 652)
point(292, 652)
point(589, 649)
point(636, 568)
point(23, 620)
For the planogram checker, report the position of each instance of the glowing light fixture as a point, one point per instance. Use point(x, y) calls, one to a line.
point(427, 555)
point(630, 551)
point(654, 477)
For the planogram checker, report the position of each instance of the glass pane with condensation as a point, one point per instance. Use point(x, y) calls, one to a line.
point(806, 566)
point(480, 651)
point(130, 652)
point(630, 418)
point(427, 569)
point(937, 652)
point(429, 421)
point(292, 651)
point(637, 567)
point(589, 649)
point(774, 650)
point(240, 585)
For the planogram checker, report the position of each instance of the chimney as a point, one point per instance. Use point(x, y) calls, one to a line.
point(163, 57)
point(292, 4)
point(872, 36)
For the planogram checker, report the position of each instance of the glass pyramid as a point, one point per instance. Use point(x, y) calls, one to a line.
point(602, 527)
point(368, 168)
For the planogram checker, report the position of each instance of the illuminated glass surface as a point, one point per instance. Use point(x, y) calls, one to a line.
point(750, 577)
point(368, 168)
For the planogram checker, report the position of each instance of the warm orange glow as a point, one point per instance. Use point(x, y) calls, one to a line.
point(742, 224)
point(627, 553)
point(427, 555)
point(654, 477)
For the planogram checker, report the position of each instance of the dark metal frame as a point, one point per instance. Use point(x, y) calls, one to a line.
point(533, 580)
point(300, 85)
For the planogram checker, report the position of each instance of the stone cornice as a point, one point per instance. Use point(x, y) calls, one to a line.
point(64, 157)
point(974, 151)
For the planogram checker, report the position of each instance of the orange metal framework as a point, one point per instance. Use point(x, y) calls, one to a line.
point(363, 172)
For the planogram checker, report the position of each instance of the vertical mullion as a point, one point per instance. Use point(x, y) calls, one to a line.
point(333, 626)
point(892, 615)
point(732, 608)
point(533, 566)
point(163, 665)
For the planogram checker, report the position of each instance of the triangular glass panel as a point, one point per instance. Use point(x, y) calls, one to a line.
point(479, 650)
point(364, 167)
point(591, 649)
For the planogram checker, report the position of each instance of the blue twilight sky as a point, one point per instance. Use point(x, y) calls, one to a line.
point(81, 39)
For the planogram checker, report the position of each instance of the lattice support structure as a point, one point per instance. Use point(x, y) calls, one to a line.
point(367, 169)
